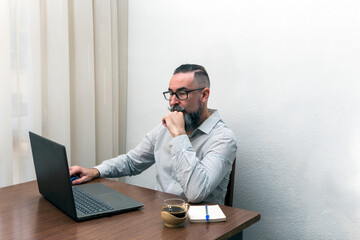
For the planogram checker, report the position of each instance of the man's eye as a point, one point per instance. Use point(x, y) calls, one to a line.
point(181, 93)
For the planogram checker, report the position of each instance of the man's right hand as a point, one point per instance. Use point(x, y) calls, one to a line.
point(84, 174)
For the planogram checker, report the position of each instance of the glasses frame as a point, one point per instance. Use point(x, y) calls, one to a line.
point(176, 93)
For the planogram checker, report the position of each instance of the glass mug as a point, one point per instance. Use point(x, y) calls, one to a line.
point(174, 212)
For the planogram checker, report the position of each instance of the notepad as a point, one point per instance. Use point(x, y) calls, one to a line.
point(198, 213)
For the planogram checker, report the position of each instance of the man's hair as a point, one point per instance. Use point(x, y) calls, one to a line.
point(200, 74)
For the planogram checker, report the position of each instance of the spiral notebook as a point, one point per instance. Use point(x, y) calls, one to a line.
point(198, 213)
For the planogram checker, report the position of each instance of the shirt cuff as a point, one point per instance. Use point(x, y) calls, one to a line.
point(101, 169)
point(179, 143)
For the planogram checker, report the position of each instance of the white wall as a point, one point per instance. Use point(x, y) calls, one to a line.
point(285, 76)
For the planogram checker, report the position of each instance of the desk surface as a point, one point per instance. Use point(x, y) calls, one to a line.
point(25, 214)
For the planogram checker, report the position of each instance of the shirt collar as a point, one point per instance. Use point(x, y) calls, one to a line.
point(209, 123)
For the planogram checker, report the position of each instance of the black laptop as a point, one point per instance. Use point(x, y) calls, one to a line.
point(80, 202)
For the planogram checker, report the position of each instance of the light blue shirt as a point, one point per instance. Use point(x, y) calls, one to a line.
point(195, 166)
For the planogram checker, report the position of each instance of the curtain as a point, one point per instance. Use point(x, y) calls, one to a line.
point(63, 76)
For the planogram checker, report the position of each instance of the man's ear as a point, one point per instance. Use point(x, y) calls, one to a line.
point(205, 95)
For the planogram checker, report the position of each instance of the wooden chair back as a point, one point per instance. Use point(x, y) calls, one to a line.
point(230, 188)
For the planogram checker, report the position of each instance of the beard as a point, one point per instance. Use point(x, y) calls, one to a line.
point(192, 119)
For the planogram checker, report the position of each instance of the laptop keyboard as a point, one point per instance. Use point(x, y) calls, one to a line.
point(87, 204)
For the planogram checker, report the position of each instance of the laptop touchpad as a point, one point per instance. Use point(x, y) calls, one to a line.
point(115, 199)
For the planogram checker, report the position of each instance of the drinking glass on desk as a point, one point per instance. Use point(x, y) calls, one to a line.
point(174, 212)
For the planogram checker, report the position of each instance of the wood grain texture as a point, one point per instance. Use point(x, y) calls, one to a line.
point(25, 214)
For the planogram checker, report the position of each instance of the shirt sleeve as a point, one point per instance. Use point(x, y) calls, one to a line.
point(134, 162)
point(199, 178)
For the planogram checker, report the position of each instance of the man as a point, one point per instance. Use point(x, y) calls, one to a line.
point(192, 148)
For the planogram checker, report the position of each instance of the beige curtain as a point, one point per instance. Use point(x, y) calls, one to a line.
point(63, 75)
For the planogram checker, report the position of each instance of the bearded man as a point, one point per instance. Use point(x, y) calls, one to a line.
point(193, 150)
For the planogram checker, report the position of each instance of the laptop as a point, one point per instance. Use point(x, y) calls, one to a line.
point(54, 183)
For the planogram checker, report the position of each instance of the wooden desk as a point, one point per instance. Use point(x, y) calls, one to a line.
point(25, 214)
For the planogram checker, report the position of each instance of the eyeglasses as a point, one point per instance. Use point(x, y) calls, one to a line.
point(181, 95)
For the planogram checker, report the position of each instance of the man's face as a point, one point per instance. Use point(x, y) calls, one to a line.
point(192, 106)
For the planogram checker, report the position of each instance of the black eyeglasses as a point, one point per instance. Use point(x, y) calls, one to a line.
point(181, 94)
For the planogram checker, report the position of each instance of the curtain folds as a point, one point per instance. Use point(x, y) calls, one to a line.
point(60, 77)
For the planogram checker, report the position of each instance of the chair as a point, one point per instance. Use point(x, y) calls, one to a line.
point(230, 187)
point(229, 198)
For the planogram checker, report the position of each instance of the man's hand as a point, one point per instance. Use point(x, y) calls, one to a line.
point(84, 174)
point(174, 122)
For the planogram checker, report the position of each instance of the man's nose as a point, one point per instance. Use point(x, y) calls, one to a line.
point(174, 100)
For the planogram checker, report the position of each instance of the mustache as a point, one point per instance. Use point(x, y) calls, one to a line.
point(176, 108)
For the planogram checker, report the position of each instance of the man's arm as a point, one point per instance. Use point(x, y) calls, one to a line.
point(132, 163)
point(200, 178)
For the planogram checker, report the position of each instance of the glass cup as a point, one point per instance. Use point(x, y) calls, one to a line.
point(174, 212)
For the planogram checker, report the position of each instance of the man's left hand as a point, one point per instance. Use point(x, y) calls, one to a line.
point(174, 122)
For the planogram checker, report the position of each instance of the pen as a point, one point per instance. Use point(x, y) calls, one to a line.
point(207, 213)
